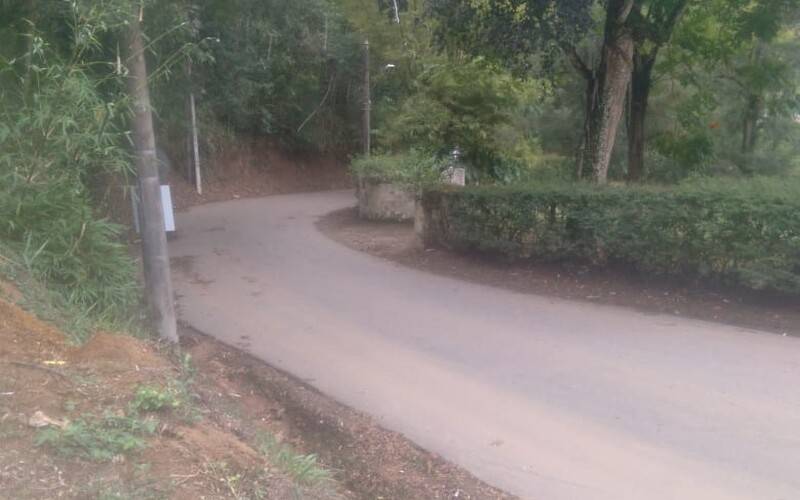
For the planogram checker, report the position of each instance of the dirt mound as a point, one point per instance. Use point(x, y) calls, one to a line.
point(24, 337)
point(118, 353)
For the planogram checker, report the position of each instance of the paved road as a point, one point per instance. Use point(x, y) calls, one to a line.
point(548, 399)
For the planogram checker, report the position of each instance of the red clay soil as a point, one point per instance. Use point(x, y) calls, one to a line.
point(397, 242)
point(184, 459)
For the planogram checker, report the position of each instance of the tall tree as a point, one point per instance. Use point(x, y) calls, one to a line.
point(516, 31)
point(609, 85)
point(653, 24)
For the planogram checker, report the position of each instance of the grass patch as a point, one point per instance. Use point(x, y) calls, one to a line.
point(303, 469)
point(52, 306)
point(99, 439)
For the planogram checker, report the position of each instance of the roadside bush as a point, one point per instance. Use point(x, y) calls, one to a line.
point(66, 247)
point(413, 169)
point(61, 128)
point(744, 233)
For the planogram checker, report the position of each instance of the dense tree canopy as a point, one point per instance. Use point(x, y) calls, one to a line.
point(687, 79)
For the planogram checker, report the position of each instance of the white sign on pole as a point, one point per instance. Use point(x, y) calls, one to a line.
point(166, 204)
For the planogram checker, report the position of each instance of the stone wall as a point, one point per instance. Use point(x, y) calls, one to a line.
point(385, 201)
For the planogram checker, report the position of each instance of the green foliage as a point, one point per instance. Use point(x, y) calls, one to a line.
point(739, 233)
point(54, 305)
point(514, 31)
point(473, 105)
point(65, 246)
point(731, 65)
point(152, 398)
point(681, 155)
point(175, 397)
point(413, 169)
point(283, 69)
point(60, 128)
point(99, 439)
point(303, 469)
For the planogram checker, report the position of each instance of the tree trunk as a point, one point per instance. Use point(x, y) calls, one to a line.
point(158, 283)
point(753, 106)
point(640, 94)
point(613, 77)
point(590, 103)
point(750, 124)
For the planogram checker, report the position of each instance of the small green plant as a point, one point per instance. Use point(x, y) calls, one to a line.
point(152, 398)
point(188, 370)
point(99, 439)
point(304, 469)
point(176, 397)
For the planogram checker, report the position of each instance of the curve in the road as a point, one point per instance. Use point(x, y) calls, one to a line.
point(546, 398)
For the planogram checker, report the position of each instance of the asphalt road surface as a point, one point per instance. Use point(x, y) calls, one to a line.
point(545, 398)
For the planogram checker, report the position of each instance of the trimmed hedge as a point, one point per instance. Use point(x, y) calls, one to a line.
point(744, 233)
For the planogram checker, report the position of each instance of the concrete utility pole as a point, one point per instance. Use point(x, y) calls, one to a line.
point(367, 102)
point(198, 182)
point(158, 282)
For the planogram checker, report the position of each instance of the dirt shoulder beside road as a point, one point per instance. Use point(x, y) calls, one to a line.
point(371, 462)
point(396, 242)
